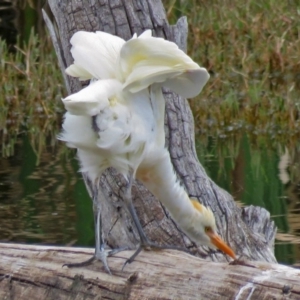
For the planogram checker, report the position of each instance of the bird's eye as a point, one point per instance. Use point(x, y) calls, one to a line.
point(207, 229)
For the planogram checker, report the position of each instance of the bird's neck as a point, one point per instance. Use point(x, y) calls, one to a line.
point(161, 180)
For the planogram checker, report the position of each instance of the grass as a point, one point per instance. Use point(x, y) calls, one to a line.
point(31, 87)
point(251, 49)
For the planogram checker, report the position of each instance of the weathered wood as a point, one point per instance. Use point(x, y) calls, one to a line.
point(249, 231)
point(36, 272)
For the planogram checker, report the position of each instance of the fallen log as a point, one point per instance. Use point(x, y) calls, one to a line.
point(37, 272)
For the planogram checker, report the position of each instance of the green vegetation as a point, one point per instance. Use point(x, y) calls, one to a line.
point(31, 87)
point(251, 49)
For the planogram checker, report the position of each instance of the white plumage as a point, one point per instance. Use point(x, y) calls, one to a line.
point(118, 120)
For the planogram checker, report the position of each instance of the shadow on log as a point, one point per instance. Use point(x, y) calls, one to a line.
point(36, 272)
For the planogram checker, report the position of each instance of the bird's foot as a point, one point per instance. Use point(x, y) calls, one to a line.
point(148, 245)
point(101, 255)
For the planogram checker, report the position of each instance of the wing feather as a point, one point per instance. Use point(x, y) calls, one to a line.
point(95, 55)
point(93, 98)
point(145, 61)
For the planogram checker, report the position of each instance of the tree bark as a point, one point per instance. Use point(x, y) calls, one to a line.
point(248, 230)
point(36, 273)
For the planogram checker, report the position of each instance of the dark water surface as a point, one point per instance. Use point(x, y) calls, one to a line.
point(264, 175)
point(48, 204)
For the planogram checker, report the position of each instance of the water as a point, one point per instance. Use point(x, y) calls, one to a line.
point(45, 203)
point(261, 175)
point(48, 204)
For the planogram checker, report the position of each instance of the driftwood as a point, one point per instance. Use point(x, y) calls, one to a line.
point(248, 230)
point(36, 272)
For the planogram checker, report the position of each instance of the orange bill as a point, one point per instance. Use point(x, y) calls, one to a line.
point(220, 244)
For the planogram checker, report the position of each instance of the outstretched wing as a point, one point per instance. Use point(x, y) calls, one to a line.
point(95, 55)
point(147, 60)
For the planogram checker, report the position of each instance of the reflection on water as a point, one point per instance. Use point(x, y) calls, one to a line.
point(48, 203)
point(262, 176)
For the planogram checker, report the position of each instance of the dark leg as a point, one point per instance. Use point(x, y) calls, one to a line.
point(145, 243)
point(100, 253)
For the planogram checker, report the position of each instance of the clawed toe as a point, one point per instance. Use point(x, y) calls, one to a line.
point(99, 255)
point(80, 264)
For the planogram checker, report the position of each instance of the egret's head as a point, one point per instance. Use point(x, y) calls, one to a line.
point(205, 231)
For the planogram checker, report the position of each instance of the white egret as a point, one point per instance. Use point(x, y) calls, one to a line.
point(118, 121)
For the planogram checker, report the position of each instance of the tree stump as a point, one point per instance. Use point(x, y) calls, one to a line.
point(249, 230)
